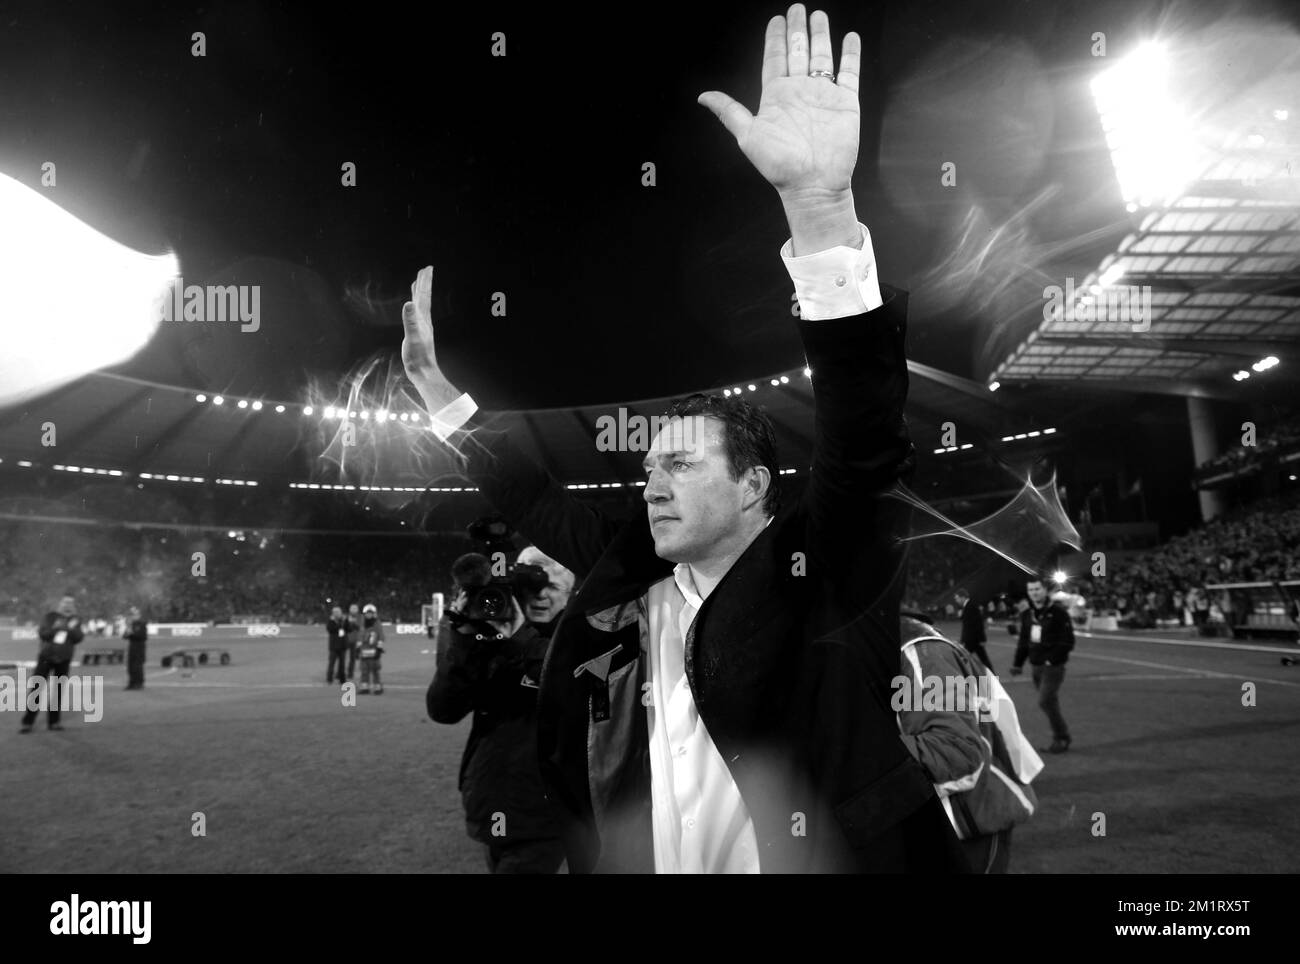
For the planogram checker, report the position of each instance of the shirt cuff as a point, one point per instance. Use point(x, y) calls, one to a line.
point(834, 283)
point(452, 417)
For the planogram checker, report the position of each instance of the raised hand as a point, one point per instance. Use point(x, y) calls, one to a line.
point(804, 139)
point(418, 353)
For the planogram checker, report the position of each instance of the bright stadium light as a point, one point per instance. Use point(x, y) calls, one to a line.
point(279, 409)
point(1240, 375)
point(243, 403)
point(200, 398)
point(1147, 130)
point(785, 379)
point(994, 386)
point(1264, 364)
point(1059, 577)
point(218, 400)
point(257, 406)
point(1111, 275)
point(71, 299)
point(307, 410)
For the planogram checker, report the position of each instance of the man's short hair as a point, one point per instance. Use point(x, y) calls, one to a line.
point(532, 556)
point(1033, 579)
point(748, 439)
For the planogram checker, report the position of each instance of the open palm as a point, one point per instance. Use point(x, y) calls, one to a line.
point(804, 137)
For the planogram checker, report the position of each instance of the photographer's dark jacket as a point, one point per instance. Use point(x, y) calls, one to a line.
point(1057, 636)
point(58, 635)
point(789, 660)
point(497, 681)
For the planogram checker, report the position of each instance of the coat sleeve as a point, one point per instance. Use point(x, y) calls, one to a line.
point(946, 742)
point(861, 445)
point(571, 533)
point(46, 630)
point(1022, 644)
point(460, 680)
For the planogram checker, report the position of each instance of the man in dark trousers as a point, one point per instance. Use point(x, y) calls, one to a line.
point(716, 697)
point(338, 630)
point(973, 636)
point(60, 631)
point(492, 668)
point(137, 631)
point(1046, 638)
point(354, 627)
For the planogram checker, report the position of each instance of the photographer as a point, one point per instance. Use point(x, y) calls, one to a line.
point(490, 665)
point(543, 609)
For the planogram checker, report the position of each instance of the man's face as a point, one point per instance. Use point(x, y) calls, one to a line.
point(67, 606)
point(550, 602)
point(337, 612)
point(1037, 593)
point(353, 610)
point(693, 504)
point(134, 612)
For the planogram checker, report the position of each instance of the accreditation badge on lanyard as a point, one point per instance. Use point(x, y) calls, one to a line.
point(1036, 632)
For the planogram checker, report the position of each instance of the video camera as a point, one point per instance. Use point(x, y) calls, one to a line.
point(489, 582)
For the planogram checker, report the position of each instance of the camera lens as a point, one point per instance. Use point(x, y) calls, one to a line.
point(493, 603)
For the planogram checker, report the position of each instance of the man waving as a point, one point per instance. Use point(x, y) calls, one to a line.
point(716, 696)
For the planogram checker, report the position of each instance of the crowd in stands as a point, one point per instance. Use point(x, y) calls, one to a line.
point(1259, 542)
point(1279, 440)
point(1255, 543)
point(292, 579)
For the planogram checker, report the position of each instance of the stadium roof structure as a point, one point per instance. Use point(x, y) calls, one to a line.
point(1212, 264)
point(110, 424)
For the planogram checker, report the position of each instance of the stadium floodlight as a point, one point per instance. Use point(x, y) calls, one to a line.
point(753, 388)
point(1147, 131)
point(1240, 375)
point(365, 415)
point(785, 379)
point(726, 393)
point(1059, 577)
point(1264, 364)
point(381, 415)
point(1111, 275)
point(1048, 431)
point(218, 400)
point(107, 303)
point(200, 398)
point(257, 406)
point(807, 373)
point(279, 409)
point(307, 410)
point(775, 382)
point(243, 403)
point(994, 385)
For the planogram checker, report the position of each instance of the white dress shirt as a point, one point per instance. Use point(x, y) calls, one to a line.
point(701, 825)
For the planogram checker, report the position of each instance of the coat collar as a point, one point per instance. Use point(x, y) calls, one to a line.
point(627, 569)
